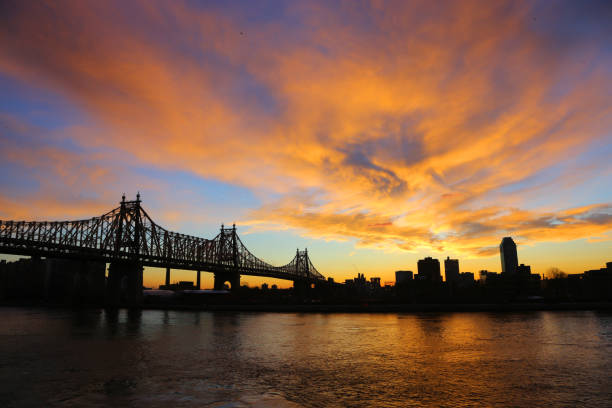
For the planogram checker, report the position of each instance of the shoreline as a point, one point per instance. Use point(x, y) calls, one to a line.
point(345, 308)
point(391, 308)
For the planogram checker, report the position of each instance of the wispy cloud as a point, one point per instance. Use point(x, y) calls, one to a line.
point(409, 125)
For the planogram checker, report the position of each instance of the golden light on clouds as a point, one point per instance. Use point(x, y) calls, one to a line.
point(401, 125)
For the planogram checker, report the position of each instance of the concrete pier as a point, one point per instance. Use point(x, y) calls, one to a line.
point(231, 277)
point(124, 284)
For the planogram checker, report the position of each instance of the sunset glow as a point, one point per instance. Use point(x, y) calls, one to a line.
point(373, 133)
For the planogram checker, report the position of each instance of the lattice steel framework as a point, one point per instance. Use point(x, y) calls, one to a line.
point(127, 233)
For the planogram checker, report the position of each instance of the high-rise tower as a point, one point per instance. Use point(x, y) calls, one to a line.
point(451, 269)
point(429, 269)
point(509, 258)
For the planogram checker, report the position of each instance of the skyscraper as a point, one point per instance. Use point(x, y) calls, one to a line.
point(403, 277)
point(509, 258)
point(451, 269)
point(429, 270)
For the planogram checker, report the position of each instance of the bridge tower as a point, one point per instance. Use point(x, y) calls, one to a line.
point(301, 285)
point(124, 284)
point(227, 256)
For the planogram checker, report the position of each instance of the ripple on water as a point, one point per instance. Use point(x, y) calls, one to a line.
point(198, 359)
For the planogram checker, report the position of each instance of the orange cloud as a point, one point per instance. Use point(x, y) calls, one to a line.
point(473, 233)
point(403, 124)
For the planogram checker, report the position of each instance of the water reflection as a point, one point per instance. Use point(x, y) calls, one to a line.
point(166, 358)
point(119, 323)
point(85, 322)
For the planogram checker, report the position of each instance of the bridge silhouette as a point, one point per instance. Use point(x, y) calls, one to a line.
point(129, 240)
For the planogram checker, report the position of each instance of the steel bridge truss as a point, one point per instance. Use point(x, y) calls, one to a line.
point(128, 233)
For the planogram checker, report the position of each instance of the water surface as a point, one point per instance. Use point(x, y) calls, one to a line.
point(202, 359)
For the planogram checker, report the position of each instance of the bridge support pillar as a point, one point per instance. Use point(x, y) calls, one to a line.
point(167, 276)
point(231, 277)
point(83, 282)
point(124, 284)
point(301, 287)
point(198, 280)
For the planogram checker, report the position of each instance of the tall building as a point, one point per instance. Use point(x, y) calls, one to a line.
point(466, 279)
point(451, 269)
point(429, 270)
point(509, 258)
point(402, 277)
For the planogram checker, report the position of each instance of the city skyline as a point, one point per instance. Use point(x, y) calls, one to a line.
point(373, 135)
point(152, 247)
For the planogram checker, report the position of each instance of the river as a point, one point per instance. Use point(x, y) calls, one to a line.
point(65, 358)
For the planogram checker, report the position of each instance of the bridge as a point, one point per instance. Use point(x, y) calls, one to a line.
point(128, 239)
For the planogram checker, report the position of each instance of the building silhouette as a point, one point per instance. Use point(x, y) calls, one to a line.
point(403, 277)
point(466, 279)
point(484, 275)
point(524, 270)
point(58, 280)
point(429, 270)
point(451, 269)
point(509, 258)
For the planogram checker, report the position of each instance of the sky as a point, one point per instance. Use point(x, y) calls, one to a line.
point(372, 133)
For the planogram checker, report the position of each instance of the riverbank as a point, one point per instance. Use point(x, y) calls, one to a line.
point(389, 308)
point(349, 308)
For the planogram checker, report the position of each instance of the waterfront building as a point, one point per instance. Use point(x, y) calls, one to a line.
point(508, 255)
point(429, 270)
point(466, 279)
point(523, 270)
point(63, 280)
point(451, 270)
point(181, 285)
point(360, 280)
point(595, 273)
point(403, 277)
point(484, 275)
